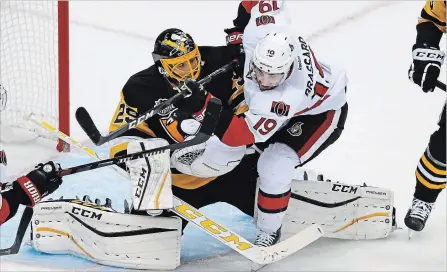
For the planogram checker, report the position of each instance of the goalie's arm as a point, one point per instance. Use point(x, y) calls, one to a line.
point(28, 190)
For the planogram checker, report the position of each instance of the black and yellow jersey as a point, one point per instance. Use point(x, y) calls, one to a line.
point(431, 23)
point(434, 12)
point(147, 88)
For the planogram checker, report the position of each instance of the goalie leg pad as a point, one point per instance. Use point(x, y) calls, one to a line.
point(106, 237)
point(150, 176)
point(344, 211)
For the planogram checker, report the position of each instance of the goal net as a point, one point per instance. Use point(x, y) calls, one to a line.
point(33, 68)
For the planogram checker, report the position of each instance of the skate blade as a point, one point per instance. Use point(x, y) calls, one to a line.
point(410, 233)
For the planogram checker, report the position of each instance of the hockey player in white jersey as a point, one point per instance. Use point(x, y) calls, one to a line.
point(294, 108)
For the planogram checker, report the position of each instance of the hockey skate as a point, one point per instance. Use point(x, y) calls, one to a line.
point(417, 215)
point(264, 239)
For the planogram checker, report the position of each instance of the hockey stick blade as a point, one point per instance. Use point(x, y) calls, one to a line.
point(23, 225)
point(89, 127)
point(87, 124)
point(212, 114)
point(290, 245)
point(287, 247)
point(441, 85)
point(256, 254)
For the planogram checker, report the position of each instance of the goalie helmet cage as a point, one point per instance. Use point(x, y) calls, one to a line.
point(34, 68)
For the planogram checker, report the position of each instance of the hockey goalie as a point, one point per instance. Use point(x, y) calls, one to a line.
point(143, 237)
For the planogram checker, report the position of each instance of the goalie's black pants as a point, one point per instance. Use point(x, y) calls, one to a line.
point(236, 188)
point(431, 170)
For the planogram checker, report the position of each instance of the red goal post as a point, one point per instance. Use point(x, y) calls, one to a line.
point(34, 68)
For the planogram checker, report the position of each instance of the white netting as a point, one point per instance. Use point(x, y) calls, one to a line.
point(28, 65)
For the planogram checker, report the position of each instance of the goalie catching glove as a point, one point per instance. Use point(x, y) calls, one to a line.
point(210, 159)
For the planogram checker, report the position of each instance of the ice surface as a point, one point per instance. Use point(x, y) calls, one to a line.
point(387, 129)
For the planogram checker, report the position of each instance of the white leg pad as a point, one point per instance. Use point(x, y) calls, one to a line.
point(343, 211)
point(106, 237)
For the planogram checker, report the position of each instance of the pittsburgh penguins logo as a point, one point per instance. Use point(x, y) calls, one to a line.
point(280, 108)
point(265, 20)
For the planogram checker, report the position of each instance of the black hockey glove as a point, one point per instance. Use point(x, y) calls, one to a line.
point(195, 100)
point(424, 70)
point(234, 35)
point(42, 181)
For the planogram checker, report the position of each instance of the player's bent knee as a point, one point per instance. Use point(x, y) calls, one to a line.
point(276, 168)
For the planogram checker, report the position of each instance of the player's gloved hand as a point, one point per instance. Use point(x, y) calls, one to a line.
point(427, 61)
point(42, 181)
point(196, 98)
point(235, 47)
point(234, 35)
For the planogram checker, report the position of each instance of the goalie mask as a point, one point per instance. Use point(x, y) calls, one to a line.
point(179, 56)
point(272, 61)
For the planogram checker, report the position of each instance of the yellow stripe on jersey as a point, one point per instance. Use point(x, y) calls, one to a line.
point(118, 150)
point(124, 114)
point(243, 108)
point(189, 182)
point(434, 11)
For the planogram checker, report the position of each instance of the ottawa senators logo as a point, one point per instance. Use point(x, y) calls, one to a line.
point(296, 129)
point(280, 108)
point(265, 20)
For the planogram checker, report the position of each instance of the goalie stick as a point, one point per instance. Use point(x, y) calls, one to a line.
point(258, 255)
point(212, 114)
point(85, 121)
point(23, 225)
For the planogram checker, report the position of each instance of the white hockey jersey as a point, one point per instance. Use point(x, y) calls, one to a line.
point(312, 87)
